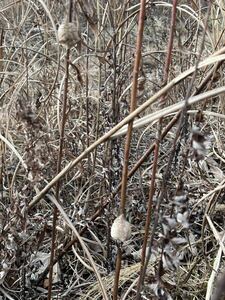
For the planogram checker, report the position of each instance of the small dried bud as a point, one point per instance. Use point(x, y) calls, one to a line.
point(121, 229)
point(68, 34)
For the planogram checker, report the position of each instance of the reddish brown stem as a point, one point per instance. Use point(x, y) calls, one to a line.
point(133, 104)
point(117, 273)
point(129, 133)
point(156, 153)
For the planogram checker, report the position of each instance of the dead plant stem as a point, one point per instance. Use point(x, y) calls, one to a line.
point(198, 90)
point(170, 160)
point(133, 104)
point(108, 134)
point(59, 162)
point(129, 134)
point(156, 152)
point(58, 184)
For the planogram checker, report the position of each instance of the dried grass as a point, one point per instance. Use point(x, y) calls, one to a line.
point(32, 87)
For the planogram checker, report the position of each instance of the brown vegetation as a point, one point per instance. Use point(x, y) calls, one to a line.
point(112, 108)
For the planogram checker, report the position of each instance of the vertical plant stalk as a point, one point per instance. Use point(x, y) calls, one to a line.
point(156, 152)
point(117, 272)
point(87, 94)
point(1, 49)
point(171, 157)
point(129, 134)
point(58, 184)
point(133, 104)
point(112, 18)
point(59, 162)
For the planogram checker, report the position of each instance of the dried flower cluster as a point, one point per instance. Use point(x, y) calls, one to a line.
point(172, 239)
point(172, 230)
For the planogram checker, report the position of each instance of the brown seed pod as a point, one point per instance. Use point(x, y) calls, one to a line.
point(121, 229)
point(68, 34)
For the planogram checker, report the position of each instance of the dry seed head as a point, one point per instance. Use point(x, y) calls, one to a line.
point(121, 229)
point(68, 34)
